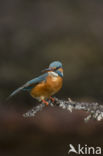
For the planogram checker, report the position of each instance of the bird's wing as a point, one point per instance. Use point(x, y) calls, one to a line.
point(30, 84)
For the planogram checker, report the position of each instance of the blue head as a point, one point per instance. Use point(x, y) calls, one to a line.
point(56, 68)
point(55, 64)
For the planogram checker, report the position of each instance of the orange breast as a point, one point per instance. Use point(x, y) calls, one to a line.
point(47, 88)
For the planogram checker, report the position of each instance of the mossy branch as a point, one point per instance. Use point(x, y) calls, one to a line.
point(95, 109)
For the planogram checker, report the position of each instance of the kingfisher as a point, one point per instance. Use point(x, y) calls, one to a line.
point(44, 86)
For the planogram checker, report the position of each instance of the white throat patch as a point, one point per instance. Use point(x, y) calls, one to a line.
point(53, 74)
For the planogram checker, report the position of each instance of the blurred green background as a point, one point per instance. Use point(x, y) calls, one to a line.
point(34, 33)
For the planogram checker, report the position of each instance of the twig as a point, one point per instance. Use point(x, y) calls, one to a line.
point(95, 110)
point(34, 110)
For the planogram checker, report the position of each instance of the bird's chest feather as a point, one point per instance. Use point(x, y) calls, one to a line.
point(54, 83)
point(48, 87)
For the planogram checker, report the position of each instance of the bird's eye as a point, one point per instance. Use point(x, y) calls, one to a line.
point(58, 68)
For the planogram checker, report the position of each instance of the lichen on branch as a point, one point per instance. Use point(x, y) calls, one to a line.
point(95, 109)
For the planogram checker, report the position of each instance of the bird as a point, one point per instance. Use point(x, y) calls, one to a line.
point(46, 85)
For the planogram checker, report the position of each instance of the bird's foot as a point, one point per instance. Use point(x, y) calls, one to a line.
point(52, 99)
point(45, 102)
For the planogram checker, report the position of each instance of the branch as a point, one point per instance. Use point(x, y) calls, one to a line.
point(95, 110)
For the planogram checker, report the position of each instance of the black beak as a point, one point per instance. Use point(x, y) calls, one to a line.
point(47, 70)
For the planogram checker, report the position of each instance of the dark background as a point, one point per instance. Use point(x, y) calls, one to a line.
point(34, 33)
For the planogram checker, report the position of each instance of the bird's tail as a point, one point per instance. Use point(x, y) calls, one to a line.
point(15, 92)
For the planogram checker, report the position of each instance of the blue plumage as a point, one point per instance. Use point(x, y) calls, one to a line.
point(53, 83)
point(56, 64)
point(30, 84)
